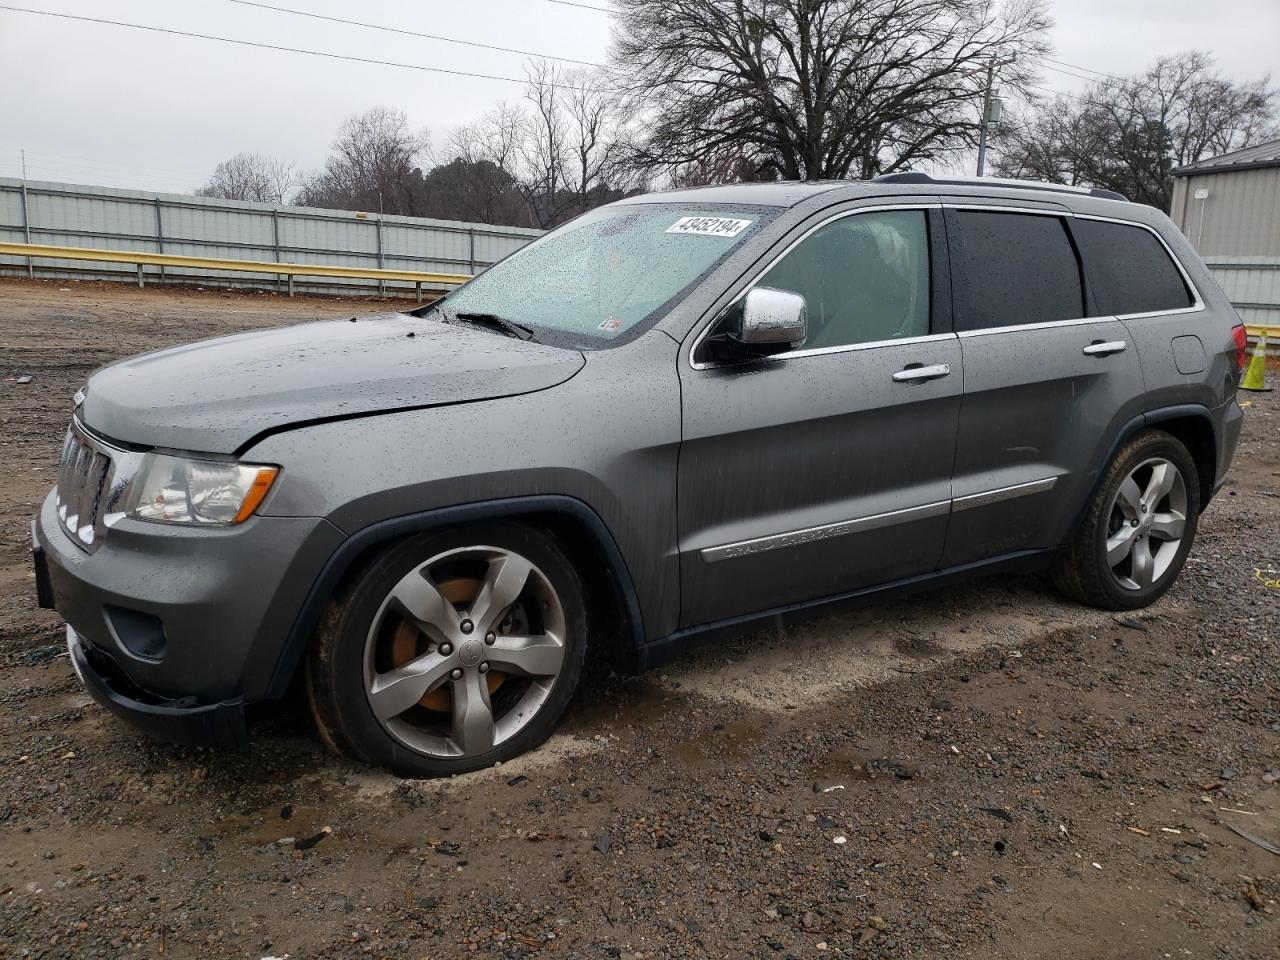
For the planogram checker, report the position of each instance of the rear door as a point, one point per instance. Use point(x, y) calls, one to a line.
point(1186, 355)
point(826, 468)
point(1045, 383)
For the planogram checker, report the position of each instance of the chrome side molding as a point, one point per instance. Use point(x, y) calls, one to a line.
point(743, 548)
point(826, 531)
point(1001, 494)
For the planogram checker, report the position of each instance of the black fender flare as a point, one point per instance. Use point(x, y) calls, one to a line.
point(1148, 419)
point(341, 560)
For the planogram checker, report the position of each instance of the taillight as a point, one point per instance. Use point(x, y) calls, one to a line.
point(1242, 345)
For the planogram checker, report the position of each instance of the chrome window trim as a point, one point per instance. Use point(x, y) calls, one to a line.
point(876, 521)
point(869, 345)
point(1197, 307)
point(1014, 328)
point(1022, 327)
point(997, 208)
point(817, 351)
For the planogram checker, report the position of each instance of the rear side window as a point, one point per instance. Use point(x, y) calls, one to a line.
point(1129, 269)
point(1012, 268)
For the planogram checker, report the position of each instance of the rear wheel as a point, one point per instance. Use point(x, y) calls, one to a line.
point(450, 651)
point(1138, 529)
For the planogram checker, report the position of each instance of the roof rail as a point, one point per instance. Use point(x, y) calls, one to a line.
point(918, 177)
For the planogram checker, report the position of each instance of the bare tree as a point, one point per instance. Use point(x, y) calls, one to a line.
point(1130, 134)
point(593, 128)
point(251, 176)
point(374, 164)
point(811, 89)
point(477, 178)
point(559, 148)
point(543, 149)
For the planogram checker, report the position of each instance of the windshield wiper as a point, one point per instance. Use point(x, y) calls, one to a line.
point(494, 322)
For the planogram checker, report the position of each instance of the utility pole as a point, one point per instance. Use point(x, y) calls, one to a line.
point(987, 118)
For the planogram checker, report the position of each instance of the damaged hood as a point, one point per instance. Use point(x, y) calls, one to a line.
point(217, 395)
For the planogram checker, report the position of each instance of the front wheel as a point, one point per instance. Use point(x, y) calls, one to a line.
point(450, 651)
point(1138, 528)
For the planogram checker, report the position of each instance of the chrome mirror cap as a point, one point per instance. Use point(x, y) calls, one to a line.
point(771, 318)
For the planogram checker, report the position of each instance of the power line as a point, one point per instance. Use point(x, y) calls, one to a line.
point(1068, 73)
point(410, 33)
point(1062, 63)
point(42, 168)
point(371, 60)
point(1056, 93)
point(583, 6)
point(37, 163)
point(277, 47)
point(167, 171)
point(1073, 66)
point(60, 171)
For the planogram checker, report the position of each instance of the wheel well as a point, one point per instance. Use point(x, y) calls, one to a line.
point(608, 611)
point(1196, 434)
point(612, 605)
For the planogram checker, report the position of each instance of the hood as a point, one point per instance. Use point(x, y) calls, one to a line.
point(217, 395)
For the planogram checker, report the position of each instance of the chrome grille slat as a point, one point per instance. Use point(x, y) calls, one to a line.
point(74, 483)
point(92, 479)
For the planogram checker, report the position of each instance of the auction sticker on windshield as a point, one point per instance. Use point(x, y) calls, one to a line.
point(709, 226)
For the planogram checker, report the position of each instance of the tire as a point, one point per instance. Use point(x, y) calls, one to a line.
point(1097, 567)
point(434, 614)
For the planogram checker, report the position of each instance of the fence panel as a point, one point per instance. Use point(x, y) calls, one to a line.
point(105, 218)
point(1252, 284)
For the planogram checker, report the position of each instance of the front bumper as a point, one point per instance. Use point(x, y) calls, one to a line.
point(177, 721)
point(177, 627)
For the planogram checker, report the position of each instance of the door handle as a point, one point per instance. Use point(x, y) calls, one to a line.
point(918, 373)
point(1100, 348)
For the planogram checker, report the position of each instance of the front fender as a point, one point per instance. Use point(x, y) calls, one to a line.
point(394, 528)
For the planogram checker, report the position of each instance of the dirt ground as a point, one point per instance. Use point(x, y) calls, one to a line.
point(983, 771)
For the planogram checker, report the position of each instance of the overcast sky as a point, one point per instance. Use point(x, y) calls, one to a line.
point(93, 103)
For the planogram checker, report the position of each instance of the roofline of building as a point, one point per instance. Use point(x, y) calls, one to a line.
point(1223, 161)
point(1194, 169)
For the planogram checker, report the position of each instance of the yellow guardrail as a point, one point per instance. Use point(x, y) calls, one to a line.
point(418, 278)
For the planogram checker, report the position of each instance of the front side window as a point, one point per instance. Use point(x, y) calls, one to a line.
point(1129, 269)
point(608, 273)
point(1012, 268)
point(864, 278)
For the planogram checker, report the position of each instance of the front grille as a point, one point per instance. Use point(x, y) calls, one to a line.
point(91, 483)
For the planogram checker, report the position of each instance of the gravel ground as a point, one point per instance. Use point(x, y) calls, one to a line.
point(981, 771)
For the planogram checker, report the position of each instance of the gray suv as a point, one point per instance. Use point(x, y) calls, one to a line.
point(678, 416)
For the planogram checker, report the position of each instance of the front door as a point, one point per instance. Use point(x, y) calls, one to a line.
point(827, 468)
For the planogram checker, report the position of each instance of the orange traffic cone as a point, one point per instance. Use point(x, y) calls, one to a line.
point(1255, 378)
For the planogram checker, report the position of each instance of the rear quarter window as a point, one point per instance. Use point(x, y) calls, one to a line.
point(1129, 270)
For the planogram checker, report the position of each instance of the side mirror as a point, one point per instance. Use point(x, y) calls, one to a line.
point(769, 321)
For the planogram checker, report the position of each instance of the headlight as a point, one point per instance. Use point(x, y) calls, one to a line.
point(199, 492)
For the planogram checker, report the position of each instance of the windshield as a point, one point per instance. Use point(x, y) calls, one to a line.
point(607, 273)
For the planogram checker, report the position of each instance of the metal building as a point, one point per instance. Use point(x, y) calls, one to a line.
point(1229, 208)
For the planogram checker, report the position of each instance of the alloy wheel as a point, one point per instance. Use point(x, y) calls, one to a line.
point(464, 651)
point(1147, 521)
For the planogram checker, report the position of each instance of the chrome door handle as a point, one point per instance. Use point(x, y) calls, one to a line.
point(1105, 349)
point(920, 373)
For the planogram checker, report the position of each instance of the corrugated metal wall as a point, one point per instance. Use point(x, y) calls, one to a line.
point(1236, 229)
point(100, 217)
